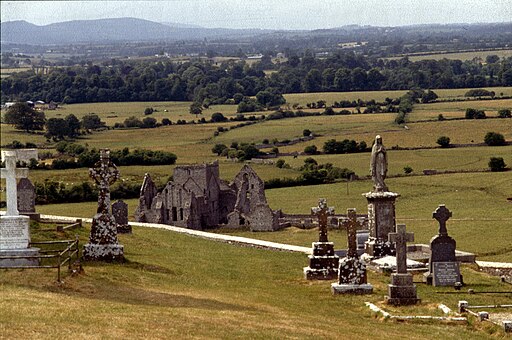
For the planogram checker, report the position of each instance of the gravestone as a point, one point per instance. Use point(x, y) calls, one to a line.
point(26, 196)
point(401, 291)
point(120, 212)
point(351, 269)
point(381, 205)
point(103, 244)
point(14, 228)
point(323, 263)
point(443, 266)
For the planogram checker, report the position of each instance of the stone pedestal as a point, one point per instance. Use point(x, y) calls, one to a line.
point(103, 244)
point(381, 222)
point(323, 264)
point(351, 277)
point(14, 242)
point(402, 291)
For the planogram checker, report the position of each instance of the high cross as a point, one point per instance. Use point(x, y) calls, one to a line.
point(10, 173)
point(352, 224)
point(400, 238)
point(322, 212)
point(104, 173)
point(442, 214)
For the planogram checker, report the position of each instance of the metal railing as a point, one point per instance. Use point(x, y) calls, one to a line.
point(62, 256)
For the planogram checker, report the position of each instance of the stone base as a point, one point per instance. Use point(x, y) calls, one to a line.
point(337, 288)
point(320, 274)
point(32, 215)
point(377, 249)
point(429, 279)
point(402, 291)
point(19, 262)
point(103, 252)
point(124, 229)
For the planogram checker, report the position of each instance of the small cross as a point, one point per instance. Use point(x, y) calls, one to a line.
point(10, 173)
point(352, 224)
point(322, 212)
point(400, 238)
point(104, 176)
point(442, 214)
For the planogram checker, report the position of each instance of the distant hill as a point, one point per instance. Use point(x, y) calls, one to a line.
point(110, 30)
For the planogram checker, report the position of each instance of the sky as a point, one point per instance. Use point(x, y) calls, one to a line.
point(271, 14)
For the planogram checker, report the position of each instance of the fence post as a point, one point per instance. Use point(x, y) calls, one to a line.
point(58, 269)
point(70, 245)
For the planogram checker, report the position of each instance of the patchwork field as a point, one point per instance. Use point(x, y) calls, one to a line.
point(458, 55)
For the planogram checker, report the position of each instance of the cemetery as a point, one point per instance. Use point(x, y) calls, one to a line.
point(393, 277)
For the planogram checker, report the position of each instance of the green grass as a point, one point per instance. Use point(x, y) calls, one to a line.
point(176, 286)
point(458, 55)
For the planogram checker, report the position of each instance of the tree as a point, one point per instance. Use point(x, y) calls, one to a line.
point(492, 58)
point(494, 139)
point(23, 117)
point(132, 122)
point(443, 141)
point(428, 97)
point(57, 127)
point(219, 148)
point(148, 123)
point(407, 169)
point(311, 150)
point(280, 163)
point(166, 121)
point(148, 111)
point(196, 108)
point(497, 164)
point(92, 121)
point(73, 125)
point(504, 113)
point(218, 117)
point(306, 132)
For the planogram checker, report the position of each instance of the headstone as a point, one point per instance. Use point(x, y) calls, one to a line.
point(323, 263)
point(401, 291)
point(14, 229)
point(381, 205)
point(103, 243)
point(507, 326)
point(362, 237)
point(443, 265)
point(27, 198)
point(351, 269)
point(120, 212)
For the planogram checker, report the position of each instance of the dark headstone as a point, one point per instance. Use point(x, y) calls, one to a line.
point(442, 249)
point(26, 196)
point(445, 273)
point(120, 213)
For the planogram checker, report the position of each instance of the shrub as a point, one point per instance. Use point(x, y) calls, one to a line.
point(497, 164)
point(166, 121)
point(219, 148)
point(494, 139)
point(265, 141)
point(148, 111)
point(440, 117)
point(311, 150)
point(132, 122)
point(218, 117)
point(306, 132)
point(148, 123)
point(479, 93)
point(443, 141)
point(280, 163)
point(275, 150)
point(407, 169)
point(475, 114)
point(504, 113)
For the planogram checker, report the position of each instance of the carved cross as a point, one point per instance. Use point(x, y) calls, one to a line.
point(352, 224)
point(442, 214)
point(104, 174)
point(322, 212)
point(400, 238)
point(10, 173)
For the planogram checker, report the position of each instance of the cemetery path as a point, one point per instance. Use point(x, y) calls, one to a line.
point(242, 241)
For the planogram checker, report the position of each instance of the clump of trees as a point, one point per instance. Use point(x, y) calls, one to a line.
point(497, 164)
point(241, 152)
point(24, 117)
point(443, 141)
point(494, 139)
point(479, 93)
point(475, 114)
point(333, 146)
point(504, 113)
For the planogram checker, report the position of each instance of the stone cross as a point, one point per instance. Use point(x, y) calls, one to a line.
point(10, 173)
point(352, 225)
point(400, 238)
point(442, 214)
point(104, 173)
point(322, 212)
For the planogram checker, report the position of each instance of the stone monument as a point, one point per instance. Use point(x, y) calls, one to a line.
point(323, 263)
point(381, 205)
point(351, 269)
point(26, 194)
point(401, 291)
point(14, 228)
point(120, 212)
point(443, 267)
point(103, 244)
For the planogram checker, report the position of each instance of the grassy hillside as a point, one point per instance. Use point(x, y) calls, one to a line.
point(176, 286)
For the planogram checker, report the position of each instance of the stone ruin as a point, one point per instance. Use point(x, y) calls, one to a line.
point(197, 198)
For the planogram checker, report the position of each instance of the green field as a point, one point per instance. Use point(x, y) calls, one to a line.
point(176, 286)
point(458, 55)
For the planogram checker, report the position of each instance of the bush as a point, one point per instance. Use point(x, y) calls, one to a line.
point(148, 111)
point(219, 148)
point(148, 123)
point(494, 139)
point(218, 117)
point(479, 93)
point(166, 121)
point(280, 163)
point(440, 117)
point(475, 114)
point(306, 132)
point(497, 164)
point(311, 150)
point(132, 122)
point(275, 150)
point(407, 169)
point(504, 113)
point(443, 141)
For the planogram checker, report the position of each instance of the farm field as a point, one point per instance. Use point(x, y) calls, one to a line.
point(260, 294)
point(458, 55)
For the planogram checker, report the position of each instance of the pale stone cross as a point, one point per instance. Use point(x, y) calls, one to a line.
point(400, 238)
point(10, 173)
point(322, 212)
point(442, 214)
point(352, 224)
point(104, 176)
